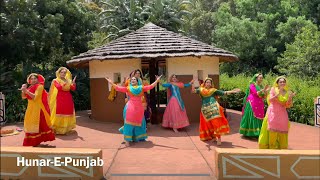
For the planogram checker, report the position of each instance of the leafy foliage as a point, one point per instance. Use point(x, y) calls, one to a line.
point(303, 108)
point(302, 57)
point(121, 17)
point(40, 36)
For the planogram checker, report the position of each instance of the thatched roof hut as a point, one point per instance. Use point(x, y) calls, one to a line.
point(150, 46)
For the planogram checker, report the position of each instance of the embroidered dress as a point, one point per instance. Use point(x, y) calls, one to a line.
point(175, 115)
point(253, 110)
point(213, 123)
point(62, 109)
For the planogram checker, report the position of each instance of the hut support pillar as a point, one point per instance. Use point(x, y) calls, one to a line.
point(153, 72)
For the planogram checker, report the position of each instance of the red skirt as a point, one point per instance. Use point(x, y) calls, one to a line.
point(45, 134)
point(213, 128)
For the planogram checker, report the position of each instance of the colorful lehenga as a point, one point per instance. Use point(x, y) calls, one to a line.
point(213, 122)
point(175, 114)
point(37, 117)
point(275, 126)
point(63, 117)
point(134, 128)
point(253, 110)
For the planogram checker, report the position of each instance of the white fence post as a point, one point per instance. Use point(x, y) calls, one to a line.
point(2, 109)
point(317, 112)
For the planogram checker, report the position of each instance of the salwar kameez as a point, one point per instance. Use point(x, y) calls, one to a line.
point(134, 128)
point(275, 127)
point(37, 124)
point(272, 139)
point(145, 99)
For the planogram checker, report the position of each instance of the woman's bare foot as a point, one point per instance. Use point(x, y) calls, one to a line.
point(219, 141)
point(127, 143)
point(214, 139)
point(70, 132)
point(175, 130)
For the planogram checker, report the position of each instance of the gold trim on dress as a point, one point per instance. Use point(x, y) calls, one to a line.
point(38, 135)
point(135, 137)
point(64, 115)
point(244, 129)
point(133, 124)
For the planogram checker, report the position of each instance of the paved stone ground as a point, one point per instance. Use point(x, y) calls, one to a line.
point(166, 154)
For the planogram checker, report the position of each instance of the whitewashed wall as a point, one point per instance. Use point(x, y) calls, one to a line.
point(107, 68)
point(191, 65)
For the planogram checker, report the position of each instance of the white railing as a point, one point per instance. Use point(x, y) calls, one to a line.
point(2, 109)
point(317, 112)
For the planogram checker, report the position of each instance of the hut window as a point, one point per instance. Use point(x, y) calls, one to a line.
point(200, 74)
point(117, 77)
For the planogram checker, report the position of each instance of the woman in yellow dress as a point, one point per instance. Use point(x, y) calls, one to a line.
point(275, 126)
point(63, 117)
point(37, 117)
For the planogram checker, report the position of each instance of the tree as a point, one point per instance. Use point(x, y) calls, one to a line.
point(310, 9)
point(39, 36)
point(33, 31)
point(121, 17)
point(302, 57)
point(170, 14)
point(244, 37)
point(293, 26)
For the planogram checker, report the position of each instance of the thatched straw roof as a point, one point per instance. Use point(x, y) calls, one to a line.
point(150, 41)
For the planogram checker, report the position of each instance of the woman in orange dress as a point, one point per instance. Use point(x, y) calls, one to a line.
point(63, 117)
point(37, 117)
point(213, 123)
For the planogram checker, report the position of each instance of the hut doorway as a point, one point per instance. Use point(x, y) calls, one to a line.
point(157, 96)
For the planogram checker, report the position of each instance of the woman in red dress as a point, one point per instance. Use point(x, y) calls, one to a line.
point(37, 117)
point(63, 117)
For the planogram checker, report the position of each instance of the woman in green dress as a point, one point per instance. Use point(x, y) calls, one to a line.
point(253, 107)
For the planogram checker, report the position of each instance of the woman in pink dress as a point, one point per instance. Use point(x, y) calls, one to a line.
point(275, 126)
point(175, 115)
point(253, 107)
point(134, 128)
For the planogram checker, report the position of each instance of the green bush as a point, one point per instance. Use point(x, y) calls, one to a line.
point(303, 103)
point(15, 107)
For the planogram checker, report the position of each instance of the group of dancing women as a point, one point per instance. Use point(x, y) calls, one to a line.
point(213, 123)
point(271, 128)
point(53, 113)
point(50, 113)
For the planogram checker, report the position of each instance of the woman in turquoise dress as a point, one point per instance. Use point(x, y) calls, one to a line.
point(134, 128)
point(175, 115)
